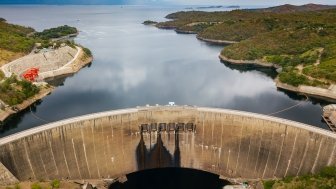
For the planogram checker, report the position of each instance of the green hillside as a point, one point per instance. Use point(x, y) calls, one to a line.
point(303, 43)
point(56, 32)
point(17, 41)
point(14, 37)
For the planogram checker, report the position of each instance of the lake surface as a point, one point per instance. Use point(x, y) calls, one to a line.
point(135, 65)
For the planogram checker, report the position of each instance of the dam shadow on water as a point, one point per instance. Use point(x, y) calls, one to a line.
point(159, 169)
point(171, 178)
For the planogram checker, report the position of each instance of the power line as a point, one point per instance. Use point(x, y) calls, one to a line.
point(37, 117)
point(291, 107)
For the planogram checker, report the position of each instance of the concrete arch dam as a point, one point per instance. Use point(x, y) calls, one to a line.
point(115, 143)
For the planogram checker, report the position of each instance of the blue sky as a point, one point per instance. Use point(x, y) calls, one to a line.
point(177, 2)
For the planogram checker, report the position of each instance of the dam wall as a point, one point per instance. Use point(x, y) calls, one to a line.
point(230, 143)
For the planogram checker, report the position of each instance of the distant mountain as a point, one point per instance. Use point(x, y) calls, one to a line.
point(218, 7)
point(287, 8)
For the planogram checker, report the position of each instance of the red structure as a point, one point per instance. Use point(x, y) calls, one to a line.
point(30, 74)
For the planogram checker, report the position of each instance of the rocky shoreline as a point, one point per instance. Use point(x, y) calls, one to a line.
point(256, 63)
point(10, 110)
point(72, 67)
point(216, 41)
point(184, 32)
point(316, 92)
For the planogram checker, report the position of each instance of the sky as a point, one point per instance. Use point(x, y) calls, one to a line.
point(172, 2)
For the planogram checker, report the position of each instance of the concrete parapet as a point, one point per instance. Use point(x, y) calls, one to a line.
point(109, 144)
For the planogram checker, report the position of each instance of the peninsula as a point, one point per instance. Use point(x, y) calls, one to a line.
point(298, 41)
point(49, 53)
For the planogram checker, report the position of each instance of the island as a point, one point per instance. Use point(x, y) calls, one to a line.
point(298, 41)
point(149, 22)
point(28, 58)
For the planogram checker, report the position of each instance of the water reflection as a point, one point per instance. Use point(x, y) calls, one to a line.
point(270, 72)
point(136, 65)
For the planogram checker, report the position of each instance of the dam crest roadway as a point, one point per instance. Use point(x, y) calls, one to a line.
point(110, 144)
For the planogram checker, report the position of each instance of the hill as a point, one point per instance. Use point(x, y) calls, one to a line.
point(18, 41)
point(287, 8)
point(301, 40)
point(14, 41)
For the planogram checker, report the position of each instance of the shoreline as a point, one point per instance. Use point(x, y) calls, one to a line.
point(316, 92)
point(185, 32)
point(248, 62)
point(71, 67)
point(8, 111)
point(166, 27)
point(212, 41)
point(216, 41)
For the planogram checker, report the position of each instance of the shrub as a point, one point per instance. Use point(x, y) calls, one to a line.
point(87, 51)
point(293, 78)
point(14, 92)
point(36, 186)
point(328, 172)
point(268, 184)
point(55, 183)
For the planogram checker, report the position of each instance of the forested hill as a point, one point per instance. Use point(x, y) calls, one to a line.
point(303, 43)
point(287, 8)
point(18, 40)
point(15, 41)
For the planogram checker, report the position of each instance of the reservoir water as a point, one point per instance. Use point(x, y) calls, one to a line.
point(135, 65)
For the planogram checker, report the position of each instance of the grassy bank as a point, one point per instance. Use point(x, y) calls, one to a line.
point(54, 184)
point(14, 91)
point(325, 179)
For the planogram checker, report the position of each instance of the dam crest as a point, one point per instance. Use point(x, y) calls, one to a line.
point(110, 144)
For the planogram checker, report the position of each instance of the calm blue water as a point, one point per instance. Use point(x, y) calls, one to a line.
point(138, 65)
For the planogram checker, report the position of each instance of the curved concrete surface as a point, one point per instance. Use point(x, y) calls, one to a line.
point(46, 62)
point(110, 144)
